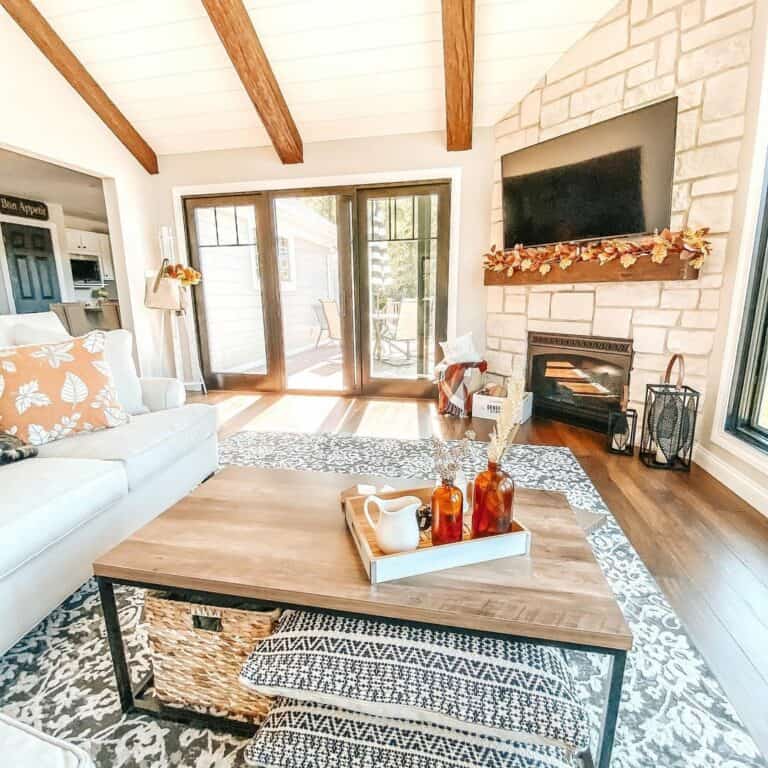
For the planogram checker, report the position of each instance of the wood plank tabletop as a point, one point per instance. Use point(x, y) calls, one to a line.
point(279, 535)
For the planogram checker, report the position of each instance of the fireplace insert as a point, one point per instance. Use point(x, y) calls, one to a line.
point(577, 379)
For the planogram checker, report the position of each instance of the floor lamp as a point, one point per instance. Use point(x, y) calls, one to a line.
point(173, 300)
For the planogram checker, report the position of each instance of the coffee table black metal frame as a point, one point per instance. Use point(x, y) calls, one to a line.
point(138, 699)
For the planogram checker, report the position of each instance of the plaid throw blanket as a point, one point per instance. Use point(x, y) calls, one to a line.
point(453, 395)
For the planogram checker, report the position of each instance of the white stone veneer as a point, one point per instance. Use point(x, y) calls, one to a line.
point(643, 51)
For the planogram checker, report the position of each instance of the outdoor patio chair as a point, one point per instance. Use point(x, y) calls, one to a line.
point(405, 332)
point(330, 322)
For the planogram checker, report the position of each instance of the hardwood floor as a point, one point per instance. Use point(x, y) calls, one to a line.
point(706, 547)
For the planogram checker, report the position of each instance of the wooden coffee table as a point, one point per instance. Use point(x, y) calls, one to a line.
point(278, 537)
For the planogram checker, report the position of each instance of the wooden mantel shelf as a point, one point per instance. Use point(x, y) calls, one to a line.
point(674, 268)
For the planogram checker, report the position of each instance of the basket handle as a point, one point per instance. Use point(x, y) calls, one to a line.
point(680, 370)
point(205, 618)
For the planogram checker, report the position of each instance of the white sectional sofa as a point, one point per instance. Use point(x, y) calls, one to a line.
point(84, 494)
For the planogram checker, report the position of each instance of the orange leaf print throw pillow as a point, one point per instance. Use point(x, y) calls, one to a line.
point(50, 391)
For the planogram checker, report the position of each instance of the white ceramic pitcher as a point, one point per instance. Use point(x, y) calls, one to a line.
point(396, 526)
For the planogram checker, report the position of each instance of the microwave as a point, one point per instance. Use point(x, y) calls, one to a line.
point(86, 271)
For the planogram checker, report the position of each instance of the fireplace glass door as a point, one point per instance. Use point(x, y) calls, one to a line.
point(578, 379)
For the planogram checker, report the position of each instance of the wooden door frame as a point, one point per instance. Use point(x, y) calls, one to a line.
point(419, 388)
point(353, 286)
point(270, 295)
point(347, 284)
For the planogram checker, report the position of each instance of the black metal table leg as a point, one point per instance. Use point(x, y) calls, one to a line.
point(139, 700)
point(115, 640)
point(611, 711)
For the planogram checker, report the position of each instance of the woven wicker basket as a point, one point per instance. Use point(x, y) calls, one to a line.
point(198, 652)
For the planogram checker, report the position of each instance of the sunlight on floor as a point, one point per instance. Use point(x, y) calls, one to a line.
point(234, 404)
point(383, 418)
point(294, 413)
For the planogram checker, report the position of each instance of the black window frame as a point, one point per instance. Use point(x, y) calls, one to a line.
point(751, 372)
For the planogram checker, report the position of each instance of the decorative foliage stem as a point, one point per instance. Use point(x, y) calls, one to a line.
point(689, 244)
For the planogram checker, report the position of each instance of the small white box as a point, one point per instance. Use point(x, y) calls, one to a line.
point(487, 407)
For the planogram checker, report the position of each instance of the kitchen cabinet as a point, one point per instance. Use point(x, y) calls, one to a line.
point(83, 243)
point(80, 241)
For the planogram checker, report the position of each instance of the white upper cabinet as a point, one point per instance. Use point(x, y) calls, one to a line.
point(80, 241)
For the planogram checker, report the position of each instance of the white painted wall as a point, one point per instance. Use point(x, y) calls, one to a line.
point(44, 117)
point(399, 156)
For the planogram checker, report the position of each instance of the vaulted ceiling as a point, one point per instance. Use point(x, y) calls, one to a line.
point(347, 68)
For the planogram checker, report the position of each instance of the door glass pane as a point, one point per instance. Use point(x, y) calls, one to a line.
point(402, 285)
point(226, 228)
point(234, 316)
point(310, 299)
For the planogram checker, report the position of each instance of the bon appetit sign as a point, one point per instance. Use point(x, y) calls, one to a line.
point(28, 209)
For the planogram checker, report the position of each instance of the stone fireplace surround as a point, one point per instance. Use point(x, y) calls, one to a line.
point(643, 51)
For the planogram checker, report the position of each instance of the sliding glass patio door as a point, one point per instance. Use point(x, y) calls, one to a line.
point(403, 265)
point(237, 304)
point(313, 247)
point(340, 290)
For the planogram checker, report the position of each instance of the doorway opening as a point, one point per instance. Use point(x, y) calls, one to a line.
point(55, 248)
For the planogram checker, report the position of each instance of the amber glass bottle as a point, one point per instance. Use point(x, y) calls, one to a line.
point(492, 502)
point(447, 513)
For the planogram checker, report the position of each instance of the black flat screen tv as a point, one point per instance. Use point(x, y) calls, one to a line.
point(610, 179)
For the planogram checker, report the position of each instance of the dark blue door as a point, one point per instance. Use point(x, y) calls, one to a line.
point(32, 267)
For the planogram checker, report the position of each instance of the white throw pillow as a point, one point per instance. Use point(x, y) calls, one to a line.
point(118, 352)
point(24, 333)
point(460, 350)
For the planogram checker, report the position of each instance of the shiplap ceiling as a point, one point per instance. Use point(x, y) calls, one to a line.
point(347, 68)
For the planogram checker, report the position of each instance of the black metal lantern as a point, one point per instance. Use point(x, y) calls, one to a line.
point(669, 422)
point(621, 431)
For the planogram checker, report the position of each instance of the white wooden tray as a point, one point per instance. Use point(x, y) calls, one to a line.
point(427, 558)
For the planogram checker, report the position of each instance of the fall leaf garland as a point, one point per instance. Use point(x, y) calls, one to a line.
point(689, 244)
point(184, 274)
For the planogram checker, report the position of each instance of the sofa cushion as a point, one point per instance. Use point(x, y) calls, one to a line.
point(25, 746)
point(118, 352)
point(149, 443)
point(51, 391)
point(293, 730)
point(29, 333)
point(47, 323)
point(46, 328)
point(492, 686)
point(43, 500)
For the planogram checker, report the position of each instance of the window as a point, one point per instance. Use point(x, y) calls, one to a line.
point(748, 409)
point(286, 264)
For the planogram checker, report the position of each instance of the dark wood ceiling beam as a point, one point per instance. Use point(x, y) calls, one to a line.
point(459, 62)
point(56, 51)
point(233, 24)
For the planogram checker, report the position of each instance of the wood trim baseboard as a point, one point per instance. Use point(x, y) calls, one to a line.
point(732, 478)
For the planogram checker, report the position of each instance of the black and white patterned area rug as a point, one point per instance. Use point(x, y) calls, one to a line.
point(674, 714)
